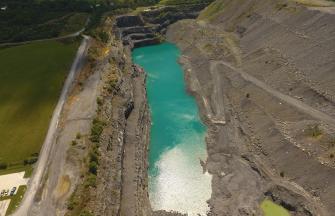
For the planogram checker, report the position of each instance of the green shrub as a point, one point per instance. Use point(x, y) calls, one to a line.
point(86, 213)
point(30, 160)
point(96, 130)
point(314, 130)
point(35, 154)
point(74, 142)
point(3, 165)
point(103, 36)
point(112, 84)
point(94, 157)
point(71, 204)
point(90, 181)
point(78, 136)
point(92, 54)
point(93, 167)
point(99, 101)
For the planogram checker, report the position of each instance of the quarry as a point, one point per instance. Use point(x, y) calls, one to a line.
point(223, 108)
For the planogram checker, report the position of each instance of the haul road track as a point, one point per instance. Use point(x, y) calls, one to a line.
point(41, 165)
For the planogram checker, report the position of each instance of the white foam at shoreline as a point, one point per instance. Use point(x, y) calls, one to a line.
point(180, 184)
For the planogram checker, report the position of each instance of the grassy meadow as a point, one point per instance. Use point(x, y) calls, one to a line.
point(270, 208)
point(31, 79)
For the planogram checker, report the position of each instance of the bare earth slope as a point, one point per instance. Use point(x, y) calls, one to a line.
point(263, 74)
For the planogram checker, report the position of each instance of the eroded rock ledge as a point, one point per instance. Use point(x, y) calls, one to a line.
point(264, 68)
point(122, 180)
point(148, 26)
point(122, 177)
point(257, 143)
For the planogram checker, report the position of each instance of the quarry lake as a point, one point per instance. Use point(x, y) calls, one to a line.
point(176, 178)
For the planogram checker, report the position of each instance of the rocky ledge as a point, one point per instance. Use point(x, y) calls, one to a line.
point(148, 26)
point(237, 62)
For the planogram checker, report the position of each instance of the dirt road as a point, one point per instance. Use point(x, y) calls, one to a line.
point(41, 165)
point(75, 34)
point(288, 99)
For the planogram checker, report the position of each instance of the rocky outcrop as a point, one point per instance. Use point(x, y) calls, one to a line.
point(121, 186)
point(129, 21)
point(137, 35)
point(264, 67)
point(121, 181)
point(291, 201)
point(148, 26)
point(171, 14)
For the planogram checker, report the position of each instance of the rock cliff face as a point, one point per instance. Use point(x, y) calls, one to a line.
point(148, 26)
point(122, 180)
point(122, 177)
point(263, 75)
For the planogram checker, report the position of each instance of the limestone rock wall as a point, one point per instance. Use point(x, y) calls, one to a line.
point(123, 109)
point(148, 26)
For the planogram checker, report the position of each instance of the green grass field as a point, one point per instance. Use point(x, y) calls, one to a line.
point(272, 209)
point(75, 23)
point(15, 200)
point(31, 79)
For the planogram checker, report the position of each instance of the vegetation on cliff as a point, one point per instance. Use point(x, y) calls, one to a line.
point(80, 200)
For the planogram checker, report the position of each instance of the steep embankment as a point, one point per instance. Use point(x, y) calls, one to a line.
point(262, 72)
point(148, 26)
point(120, 140)
point(98, 165)
point(143, 29)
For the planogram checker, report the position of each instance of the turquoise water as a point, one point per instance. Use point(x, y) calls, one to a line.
point(176, 179)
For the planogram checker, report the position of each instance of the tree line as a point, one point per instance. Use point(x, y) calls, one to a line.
point(31, 19)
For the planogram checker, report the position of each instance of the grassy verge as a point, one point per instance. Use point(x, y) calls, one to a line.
point(31, 79)
point(15, 169)
point(270, 208)
point(77, 204)
point(16, 199)
point(75, 23)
